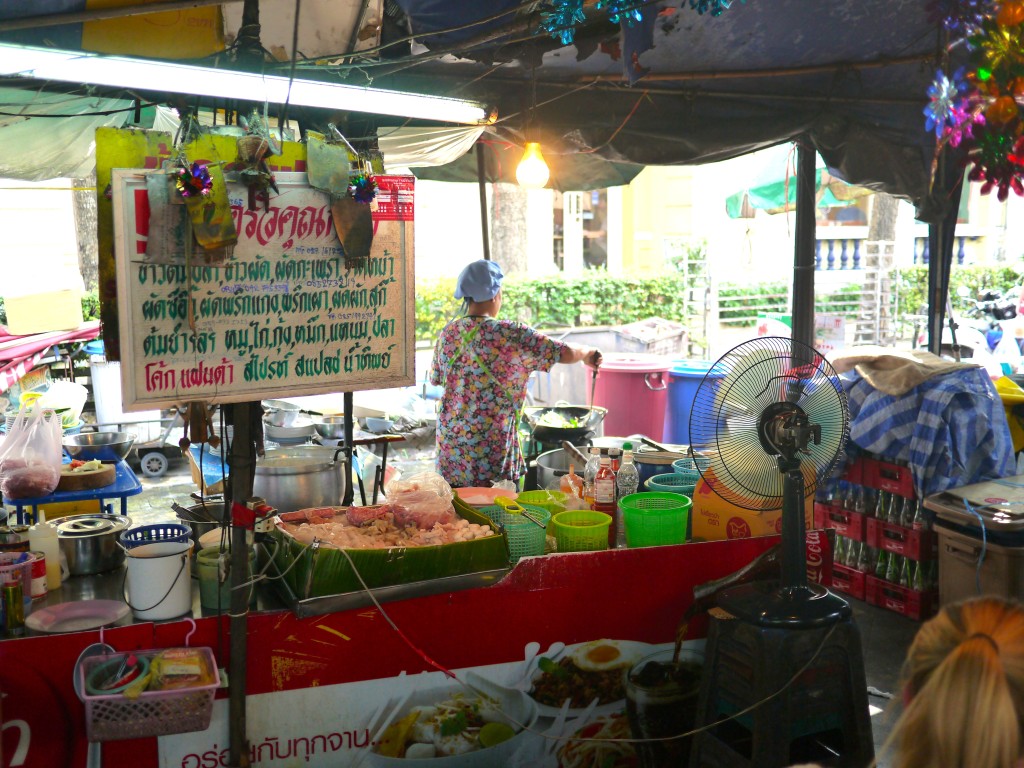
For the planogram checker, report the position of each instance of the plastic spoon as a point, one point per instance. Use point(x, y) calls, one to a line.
point(529, 654)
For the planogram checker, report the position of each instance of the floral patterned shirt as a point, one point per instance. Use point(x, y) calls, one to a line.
point(483, 365)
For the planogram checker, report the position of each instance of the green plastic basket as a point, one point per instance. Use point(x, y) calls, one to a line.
point(581, 530)
point(691, 463)
point(552, 501)
point(674, 482)
point(653, 519)
point(524, 537)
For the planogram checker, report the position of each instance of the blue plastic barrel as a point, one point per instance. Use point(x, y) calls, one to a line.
point(684, 377)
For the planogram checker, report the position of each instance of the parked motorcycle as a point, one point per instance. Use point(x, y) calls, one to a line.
point(985, 331)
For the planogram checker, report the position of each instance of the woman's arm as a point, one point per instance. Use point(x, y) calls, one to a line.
point(590, 356)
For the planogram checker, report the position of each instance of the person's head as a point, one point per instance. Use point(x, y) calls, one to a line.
point(964, 689)
point(480, 284)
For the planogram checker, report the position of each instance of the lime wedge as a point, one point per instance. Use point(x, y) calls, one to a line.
point(495, 733)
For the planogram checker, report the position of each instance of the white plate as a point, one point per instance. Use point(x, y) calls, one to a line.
point(76, 617)
point(302, 427)
point(632, 648)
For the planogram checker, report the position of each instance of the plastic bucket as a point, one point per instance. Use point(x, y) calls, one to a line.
point(159, 580)
point(214, 594)
point(651, 463)
point(634, 389)
point(683, 381)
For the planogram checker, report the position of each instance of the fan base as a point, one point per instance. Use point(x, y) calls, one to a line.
point(768, 604)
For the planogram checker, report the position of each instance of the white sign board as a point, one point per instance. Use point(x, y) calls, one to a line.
point(283, 316)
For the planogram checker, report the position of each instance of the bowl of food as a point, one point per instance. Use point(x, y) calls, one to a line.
point(330, 427)
point(104, 446)
point(595, 669)
point(480, 725)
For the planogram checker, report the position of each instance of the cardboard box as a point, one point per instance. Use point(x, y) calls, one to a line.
point(43, 312)
point(714, 518)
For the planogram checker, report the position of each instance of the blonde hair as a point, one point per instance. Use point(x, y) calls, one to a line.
point(964, 673)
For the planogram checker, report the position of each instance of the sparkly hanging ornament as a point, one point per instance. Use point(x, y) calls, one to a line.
point(625, 11)
point(363, 187)
point(992, 165)
point(193, 181)
point(714, 7)
point(947, 94)
point(560, 19)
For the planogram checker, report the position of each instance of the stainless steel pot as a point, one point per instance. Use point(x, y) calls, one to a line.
point(281, 413)
point(551, 465)
point(297, 478)
point(89, 542)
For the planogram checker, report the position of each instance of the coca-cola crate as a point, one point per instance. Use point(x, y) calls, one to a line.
point(848, 580)
point(852, 525)
point(916, 544)
point(913, 604)
point(854, 471)
point(886, 476)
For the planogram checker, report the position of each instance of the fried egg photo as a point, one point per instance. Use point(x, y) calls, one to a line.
point(601, 656)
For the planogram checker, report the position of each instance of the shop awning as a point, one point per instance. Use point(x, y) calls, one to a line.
point(20, 354)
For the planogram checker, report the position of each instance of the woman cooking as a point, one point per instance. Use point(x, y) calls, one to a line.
point(483, 364)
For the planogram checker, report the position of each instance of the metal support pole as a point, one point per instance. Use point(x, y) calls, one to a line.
point(481, 180)
point(242, 468)
point(346, 499)
point(803, 256)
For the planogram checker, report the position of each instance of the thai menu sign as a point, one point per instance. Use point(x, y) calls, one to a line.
point(283, 315)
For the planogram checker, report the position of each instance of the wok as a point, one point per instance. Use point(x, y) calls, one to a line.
point(587, 418)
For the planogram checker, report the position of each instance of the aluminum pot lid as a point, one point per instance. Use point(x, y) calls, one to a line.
point(90, 525)
point(296, 461)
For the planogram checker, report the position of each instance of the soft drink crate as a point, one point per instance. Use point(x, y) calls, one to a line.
point(912, 603)
point(848, 580)
point(886, 476)
point(852, 525)
point(854, 472)
point(917, 544)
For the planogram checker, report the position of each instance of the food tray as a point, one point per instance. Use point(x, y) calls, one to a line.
point(154, 713)
point(326, 571)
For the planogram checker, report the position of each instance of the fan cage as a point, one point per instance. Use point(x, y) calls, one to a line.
point(726, 413)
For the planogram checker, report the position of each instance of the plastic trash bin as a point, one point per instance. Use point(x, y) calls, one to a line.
point(634, 389)
point(684, 378)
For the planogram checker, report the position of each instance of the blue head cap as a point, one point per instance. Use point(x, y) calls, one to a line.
point(480, 281)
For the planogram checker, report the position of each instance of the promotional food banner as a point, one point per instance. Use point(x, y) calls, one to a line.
point(283, 315)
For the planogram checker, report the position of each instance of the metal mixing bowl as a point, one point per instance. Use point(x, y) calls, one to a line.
point(105, 446)
point(330, 427)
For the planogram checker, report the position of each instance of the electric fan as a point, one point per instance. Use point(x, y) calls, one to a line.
point(772, 417)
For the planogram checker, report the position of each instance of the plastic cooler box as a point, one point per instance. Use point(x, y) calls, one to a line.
point(684, 379)
point(634, 389)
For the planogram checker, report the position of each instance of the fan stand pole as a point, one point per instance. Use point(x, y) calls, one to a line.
point(790, 603)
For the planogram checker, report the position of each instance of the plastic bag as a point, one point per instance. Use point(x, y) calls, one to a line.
point(30, 457)
point(422, 500)
point(421, 481)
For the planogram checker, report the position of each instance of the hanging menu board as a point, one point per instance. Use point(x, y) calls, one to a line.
point(282, 316)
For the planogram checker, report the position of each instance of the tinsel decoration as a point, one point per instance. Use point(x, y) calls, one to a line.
point(363, 188)
point(560, 17)
point(193, 181)
point(980, 109)
point(625, 11)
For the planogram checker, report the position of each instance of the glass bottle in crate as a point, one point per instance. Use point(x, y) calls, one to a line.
point(892, 571)
point(853, 553)
point(917, 578)
point(870, 500)
point(860, 499)
point(905, 572)
point(864, 558)
point(881, 564)
point(839, 553)
point(920, 521)
point(882, 506)
point(895, 514)
point(909, 510)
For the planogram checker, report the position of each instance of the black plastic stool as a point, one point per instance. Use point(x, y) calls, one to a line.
point(822, 717)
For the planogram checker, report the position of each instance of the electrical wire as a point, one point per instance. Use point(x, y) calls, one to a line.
point(984, 544)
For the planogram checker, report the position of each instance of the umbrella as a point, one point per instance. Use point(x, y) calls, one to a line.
point(773, 188)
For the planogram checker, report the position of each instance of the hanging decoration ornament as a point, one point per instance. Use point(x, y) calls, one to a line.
point(363, 188)
point(193, 181)
point(559, 18)
point(979, 107)
point(253, 148)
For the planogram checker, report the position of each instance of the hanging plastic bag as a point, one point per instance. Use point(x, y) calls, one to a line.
point(30, 457)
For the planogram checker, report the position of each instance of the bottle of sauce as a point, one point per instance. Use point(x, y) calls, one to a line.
point(43, 537)
point(571, 483)
point(589, 474)
point(604, 495)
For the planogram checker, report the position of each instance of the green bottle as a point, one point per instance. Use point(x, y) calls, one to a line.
point(905, 568)
point(882, 505)
point(895, 515)
point(917, 580)
point(882, 564)
point(892, 572)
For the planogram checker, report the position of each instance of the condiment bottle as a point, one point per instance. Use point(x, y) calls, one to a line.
point(571, 483)
point(604, 494)
point(589, 473)
point(43, 537)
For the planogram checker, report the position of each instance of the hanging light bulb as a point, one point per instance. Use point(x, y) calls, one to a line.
point(532, 172)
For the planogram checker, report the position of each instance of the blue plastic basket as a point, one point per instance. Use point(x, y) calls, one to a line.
point(673, 482)
point(693, 463)
point(160, 533)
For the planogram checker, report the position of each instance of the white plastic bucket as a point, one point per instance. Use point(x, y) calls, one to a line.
point(159, 580)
